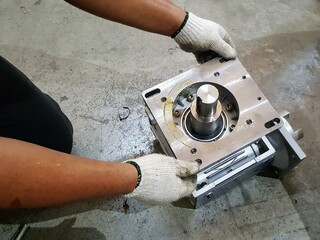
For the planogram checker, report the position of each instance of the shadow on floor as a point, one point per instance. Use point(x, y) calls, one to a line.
point(64, 230)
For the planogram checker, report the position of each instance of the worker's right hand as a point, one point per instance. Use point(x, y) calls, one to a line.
point(163, 179)
point(201, 37)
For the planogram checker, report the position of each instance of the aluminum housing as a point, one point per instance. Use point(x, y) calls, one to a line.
point(253, 136)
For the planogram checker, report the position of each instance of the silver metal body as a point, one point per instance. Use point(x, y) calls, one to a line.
point(216, 114)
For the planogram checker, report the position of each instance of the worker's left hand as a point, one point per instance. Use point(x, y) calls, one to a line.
point(164, 179)
point(201, 37)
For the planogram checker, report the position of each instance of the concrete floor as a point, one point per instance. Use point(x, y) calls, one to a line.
point(94, 67)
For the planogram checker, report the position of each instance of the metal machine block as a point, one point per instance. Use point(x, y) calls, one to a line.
point(216, 114)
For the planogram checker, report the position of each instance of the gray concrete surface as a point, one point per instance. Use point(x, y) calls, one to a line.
point(94, 67)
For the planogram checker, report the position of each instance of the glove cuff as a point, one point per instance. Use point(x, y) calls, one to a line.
point(133, 163)
point(182, 25)
point(190, 30)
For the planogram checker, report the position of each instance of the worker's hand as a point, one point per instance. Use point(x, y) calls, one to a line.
point(163, 179)
point(201, 36)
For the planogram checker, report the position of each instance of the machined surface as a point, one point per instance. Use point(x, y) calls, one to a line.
point(253, 110)
point(203, 118)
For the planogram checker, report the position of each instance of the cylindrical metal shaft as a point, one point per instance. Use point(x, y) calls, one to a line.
point(206, 110)
point(207, 99)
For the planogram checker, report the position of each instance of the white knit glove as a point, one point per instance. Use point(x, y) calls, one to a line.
point(201, 36)
point(163, 179)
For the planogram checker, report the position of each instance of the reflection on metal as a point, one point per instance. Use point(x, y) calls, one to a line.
point(205, 114)
point(217, 115)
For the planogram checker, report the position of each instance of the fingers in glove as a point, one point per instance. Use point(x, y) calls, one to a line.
point(199, 56)
point(203, 57)
point(231, 43)
point(186, 169)
point(225, 50)
point(225, 36)
point(225, 46)
point(187, 188)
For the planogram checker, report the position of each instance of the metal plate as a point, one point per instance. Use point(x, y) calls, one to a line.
point(254, 111)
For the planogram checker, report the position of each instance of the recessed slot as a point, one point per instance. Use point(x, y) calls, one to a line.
point(272, 123)
point(152, 93)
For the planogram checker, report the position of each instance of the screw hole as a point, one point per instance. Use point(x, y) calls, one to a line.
point(190, 98)
point(193, 150)
point(199, 161)
point(259, 98)
point(216, 74)
point(209, 195)
point(249, 121)
point(163, 99)
point(229, 107)
point(177, 113)
point(244, 77)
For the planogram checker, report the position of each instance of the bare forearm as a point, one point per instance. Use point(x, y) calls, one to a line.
point(158, 16)
point(33, 176)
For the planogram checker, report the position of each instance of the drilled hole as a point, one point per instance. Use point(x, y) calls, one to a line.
point(177, 113)
point(232, 127)
point(163, 99)
point(190, 98)
point(209, 195)
point(199, 160)
point(193, 150)
point(259, 98)
point(229, 107)
point(249, 121)
point(244, 77)
point(216, 74)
